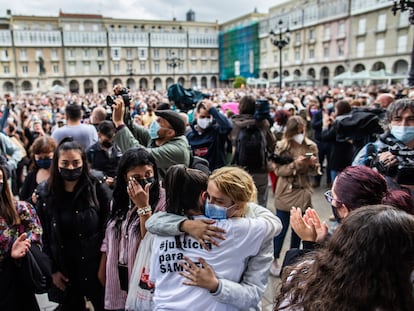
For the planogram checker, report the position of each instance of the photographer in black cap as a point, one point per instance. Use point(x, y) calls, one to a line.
point(168, 144)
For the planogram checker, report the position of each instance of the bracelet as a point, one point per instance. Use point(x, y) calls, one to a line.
point(144, 211)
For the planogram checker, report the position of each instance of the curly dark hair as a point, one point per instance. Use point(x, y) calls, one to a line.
point(366, 266)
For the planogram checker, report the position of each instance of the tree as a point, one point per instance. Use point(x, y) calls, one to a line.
point(238, 82)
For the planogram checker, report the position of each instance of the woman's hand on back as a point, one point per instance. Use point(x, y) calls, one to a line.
point(201, 275)
point(204, 231)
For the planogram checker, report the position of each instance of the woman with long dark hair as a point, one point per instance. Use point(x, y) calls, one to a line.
point(73, 206)
point(19, 227)
point(137, 194)
point(366, 265)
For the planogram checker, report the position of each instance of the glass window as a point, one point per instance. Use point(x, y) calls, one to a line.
point(402, 44)
point(360, 49)
point(361, 26)
point(382, 21)
point(380, 47)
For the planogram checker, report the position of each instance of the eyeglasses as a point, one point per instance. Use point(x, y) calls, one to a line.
point(329, 198)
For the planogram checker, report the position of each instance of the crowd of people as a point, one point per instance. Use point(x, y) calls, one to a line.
point(143, 202)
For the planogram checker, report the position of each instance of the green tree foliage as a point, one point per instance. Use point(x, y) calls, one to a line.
point(238, 82)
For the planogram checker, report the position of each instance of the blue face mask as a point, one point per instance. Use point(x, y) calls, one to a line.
point(403, 133)
point(329, 106)
point(214, 211)
point(153, 129)
point(43, 163)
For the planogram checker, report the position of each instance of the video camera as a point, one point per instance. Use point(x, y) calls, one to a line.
point(127, 100)
point(403, 171)
point(125, 96)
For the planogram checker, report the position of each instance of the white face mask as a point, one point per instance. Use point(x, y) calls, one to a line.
point(204, 122)
point(299, 138)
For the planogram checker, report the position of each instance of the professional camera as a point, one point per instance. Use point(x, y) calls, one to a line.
point(403, 170)
point(125, 96)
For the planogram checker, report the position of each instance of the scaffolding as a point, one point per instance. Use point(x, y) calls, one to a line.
point(239, 51)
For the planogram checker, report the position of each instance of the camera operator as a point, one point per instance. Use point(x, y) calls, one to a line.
point(138, 132)
point(168, 144)
point(393, 152)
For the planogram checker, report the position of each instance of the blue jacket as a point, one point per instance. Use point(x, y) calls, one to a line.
point(210, 144)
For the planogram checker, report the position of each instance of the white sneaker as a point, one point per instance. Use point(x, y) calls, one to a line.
point(275, 269)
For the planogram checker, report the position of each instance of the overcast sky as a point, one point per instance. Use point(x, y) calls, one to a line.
point(206, 10)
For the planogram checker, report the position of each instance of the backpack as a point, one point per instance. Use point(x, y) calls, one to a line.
point(251, 153)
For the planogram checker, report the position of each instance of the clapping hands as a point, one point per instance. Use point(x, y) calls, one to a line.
point(308, 227)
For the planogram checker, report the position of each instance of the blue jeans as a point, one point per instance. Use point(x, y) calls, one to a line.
point(333, 175)
point(278, 240)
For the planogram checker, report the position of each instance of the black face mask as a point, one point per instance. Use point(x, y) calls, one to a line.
point(144, 181)
point(70, 175)
point(336, 215)
point(106, 144)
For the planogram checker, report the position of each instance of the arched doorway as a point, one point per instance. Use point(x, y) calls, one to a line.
point(27, 86)
point(143, 84)
point(311, 73)
point(170, 81)
point(297, 73)
point(378, 66)
point(131, 84)
point(359, 68)
point(157, 84)
point(57, 82)
point(116, 81)
point(88, 86)
point(74, 86)
point(400, 66)
point(181, 81)
point(265, 75)
point(275, 74)
point(102, 86)
point(338, 70)
point(8, 87)
point(213, 82)
point(193, 82)
point(204, 82)
point(325, 76)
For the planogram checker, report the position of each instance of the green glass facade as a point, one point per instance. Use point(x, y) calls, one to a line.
point(239, 51)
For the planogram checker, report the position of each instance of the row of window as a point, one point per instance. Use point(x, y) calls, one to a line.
point(142, 53)
point(86, 66)
point(360, 51)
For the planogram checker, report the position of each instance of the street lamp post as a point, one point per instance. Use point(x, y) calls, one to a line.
point(173, 62)
point(280, 41)
point(404, 5)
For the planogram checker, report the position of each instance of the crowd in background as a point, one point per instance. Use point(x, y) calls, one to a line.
point(93, 221)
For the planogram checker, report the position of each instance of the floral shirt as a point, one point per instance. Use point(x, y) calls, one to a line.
point(29, 223)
